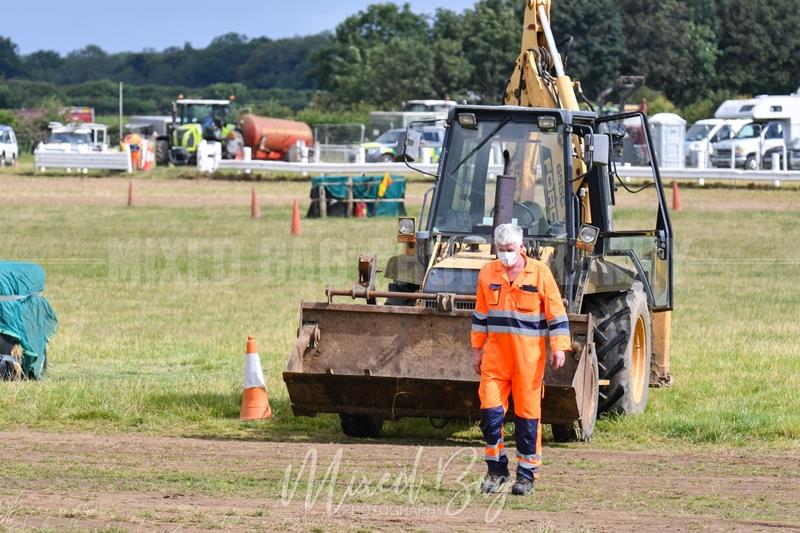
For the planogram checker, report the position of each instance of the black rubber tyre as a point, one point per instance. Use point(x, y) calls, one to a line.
point(7, 372)
point(623, 341)
point(6, 344)
point(162, 152)
point(750, 163)
point(386, 158)
point(361, 426)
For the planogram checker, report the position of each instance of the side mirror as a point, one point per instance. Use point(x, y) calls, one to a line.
point(618, 134)
point(598, 150)
point(400, 149)
point(412, 144)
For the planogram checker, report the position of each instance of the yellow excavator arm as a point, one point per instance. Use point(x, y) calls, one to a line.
point(531, 84)
point(539, 79)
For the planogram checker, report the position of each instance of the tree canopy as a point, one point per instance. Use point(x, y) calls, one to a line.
point(692, 52)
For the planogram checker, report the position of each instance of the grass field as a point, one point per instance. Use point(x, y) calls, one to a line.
point(155, 304)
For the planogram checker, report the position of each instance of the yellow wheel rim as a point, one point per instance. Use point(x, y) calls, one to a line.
point(638, 360)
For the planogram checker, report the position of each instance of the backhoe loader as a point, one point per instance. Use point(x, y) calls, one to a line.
point(543, 163)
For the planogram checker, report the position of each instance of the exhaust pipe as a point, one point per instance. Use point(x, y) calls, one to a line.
point(504, 197)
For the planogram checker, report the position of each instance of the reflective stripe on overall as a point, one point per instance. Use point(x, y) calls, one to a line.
point(511, 322)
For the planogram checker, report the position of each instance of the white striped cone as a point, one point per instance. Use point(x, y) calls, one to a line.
point(255, 401)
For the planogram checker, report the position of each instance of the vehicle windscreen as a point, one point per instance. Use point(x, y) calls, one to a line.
point(5, 137)
point(389, 137)
point(433, 136)
point(71, 137)
point(195, 113)
point(698, 132)
point(475, 158)
point(749, 131)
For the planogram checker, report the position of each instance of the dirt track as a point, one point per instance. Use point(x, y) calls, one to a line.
point(86, 482)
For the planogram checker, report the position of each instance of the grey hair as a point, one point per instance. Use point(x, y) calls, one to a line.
point(506, 234)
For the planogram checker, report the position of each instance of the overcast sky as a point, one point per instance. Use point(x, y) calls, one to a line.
point(117, 26)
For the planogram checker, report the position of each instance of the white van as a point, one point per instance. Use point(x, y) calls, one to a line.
point(703, 133)
point(750, 145)
point(776, 125)
point(9, 151)
point(76, 138)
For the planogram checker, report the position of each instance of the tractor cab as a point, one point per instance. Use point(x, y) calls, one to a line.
point(597, 233)
point(198, 120)
point(212, 115)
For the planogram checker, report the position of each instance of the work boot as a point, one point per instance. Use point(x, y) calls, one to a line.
point(493, 483)
point(522, 486)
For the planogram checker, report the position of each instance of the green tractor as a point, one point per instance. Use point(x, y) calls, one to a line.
point(194, 121)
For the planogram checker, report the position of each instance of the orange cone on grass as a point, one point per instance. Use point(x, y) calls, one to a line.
point(676, 197)
point(255, 402)
point(255, 206)
point(296, 229)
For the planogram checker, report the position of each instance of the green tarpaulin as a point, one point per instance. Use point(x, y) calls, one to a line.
point(364, 188)
point(25, 315)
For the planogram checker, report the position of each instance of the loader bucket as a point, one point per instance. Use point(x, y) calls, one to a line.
point(393, 362)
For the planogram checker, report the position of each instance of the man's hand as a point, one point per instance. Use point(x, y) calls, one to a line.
point(557, 359)
point(477, 359)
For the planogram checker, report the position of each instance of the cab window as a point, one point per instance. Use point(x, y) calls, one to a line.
point(724, 133)
point(774, 131)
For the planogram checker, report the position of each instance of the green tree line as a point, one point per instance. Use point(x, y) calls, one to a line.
point(693, 54)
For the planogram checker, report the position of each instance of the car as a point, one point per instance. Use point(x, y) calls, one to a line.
point(9, 150)
point(384, 148)
point(748, 147)
point(793, 154)
point(76, 138)
point(704, 133)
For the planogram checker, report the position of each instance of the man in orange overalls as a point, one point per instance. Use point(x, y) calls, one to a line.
point(518, 305)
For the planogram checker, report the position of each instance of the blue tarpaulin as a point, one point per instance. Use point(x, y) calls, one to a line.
point(25, 314)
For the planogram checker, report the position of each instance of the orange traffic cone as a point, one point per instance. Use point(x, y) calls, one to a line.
point(676, 197)
point(255, 206)
point(131, 194)
point(296, 229)
point(255, 402)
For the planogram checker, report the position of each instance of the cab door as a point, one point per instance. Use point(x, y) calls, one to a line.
point(638, 235)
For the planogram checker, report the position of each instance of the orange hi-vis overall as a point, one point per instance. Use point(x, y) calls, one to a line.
point(510, 323)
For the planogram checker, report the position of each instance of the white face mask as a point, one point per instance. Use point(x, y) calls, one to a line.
point(508, 258)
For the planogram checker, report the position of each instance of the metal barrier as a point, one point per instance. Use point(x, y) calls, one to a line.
point(83, 161)
point(338, 153)
point(701, 175)
point(321, 168)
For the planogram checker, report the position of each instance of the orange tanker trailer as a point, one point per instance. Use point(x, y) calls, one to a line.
point(271, 138)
